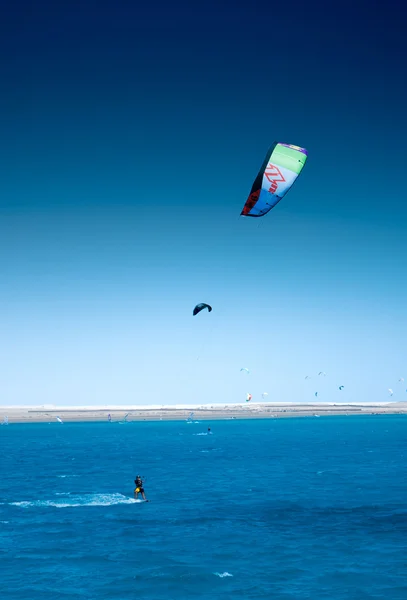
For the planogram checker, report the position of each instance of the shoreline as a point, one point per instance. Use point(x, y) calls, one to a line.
point(201, 412)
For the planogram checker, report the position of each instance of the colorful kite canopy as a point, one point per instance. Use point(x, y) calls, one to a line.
point(200, 307)
point(281, 167)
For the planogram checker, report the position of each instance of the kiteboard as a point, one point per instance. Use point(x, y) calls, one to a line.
point(140, 501)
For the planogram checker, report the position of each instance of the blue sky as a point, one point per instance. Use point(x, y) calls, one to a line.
point(131, 137)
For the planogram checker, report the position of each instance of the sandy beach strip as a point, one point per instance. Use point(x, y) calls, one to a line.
point(208, 412)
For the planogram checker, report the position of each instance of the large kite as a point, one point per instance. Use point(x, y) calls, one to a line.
point(281, 167)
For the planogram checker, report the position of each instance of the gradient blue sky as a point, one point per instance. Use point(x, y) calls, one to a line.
point(130, 140)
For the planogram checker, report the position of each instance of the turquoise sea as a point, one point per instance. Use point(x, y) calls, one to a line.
point(280, 509)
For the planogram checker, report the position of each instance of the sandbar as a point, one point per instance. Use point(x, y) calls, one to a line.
point(127, 413)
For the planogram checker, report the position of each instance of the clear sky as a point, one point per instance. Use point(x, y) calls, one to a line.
point(130, 138)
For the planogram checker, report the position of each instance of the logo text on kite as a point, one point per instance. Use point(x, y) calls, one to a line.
point(274, 175)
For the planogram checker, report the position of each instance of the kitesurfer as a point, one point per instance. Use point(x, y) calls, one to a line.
point(139, 488)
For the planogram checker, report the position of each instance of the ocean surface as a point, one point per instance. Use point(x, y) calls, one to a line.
point(280, 509)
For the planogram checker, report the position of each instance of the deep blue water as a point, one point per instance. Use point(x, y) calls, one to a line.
point(277, 509)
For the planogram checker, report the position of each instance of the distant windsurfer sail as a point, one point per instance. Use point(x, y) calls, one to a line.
point(281, 167)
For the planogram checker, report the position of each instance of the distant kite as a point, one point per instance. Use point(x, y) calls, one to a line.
point(322, 373)
point(245, 369)
point(281, 167)
point(248, 397)
point(316, 394)
point(200, 307)
point(341, 387)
